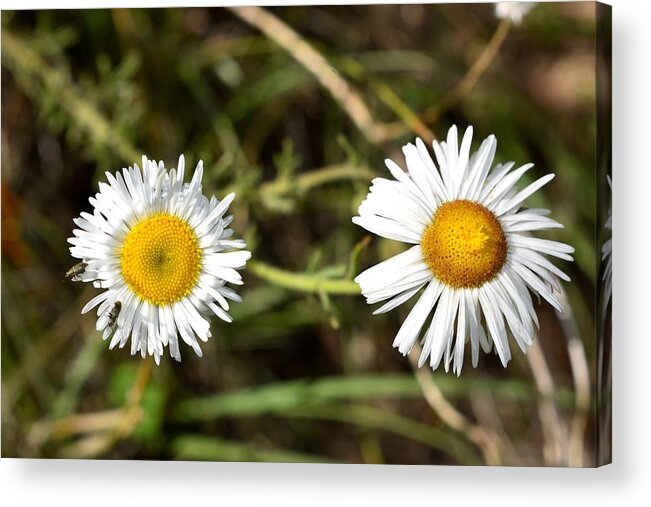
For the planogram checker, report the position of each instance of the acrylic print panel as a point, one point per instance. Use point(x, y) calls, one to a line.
point(360, 234)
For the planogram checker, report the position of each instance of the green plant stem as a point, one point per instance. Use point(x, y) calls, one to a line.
point(200, 447)
point(307, 181)
point(302, 282)
point(278, 397)
point(378, 419)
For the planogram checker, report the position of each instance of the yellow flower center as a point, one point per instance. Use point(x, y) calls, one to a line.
point(464, 246)
point(161, 259)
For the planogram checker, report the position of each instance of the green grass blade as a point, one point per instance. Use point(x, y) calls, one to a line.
point(202, 448)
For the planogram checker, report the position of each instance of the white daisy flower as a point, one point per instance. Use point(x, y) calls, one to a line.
point(162, 252)
point(514, 11)
point(607, 257)
point(471, 255)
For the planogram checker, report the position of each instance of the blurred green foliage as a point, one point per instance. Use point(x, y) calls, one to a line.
point(149, 429)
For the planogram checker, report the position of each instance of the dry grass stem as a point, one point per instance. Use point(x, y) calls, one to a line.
point(475, 72)
point(348, 98)
point(553, 454)
point(581, 379)
point(485, 440)
point(487, 413)
point(105, 428)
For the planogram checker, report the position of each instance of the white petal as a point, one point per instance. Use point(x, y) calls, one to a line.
point(410, 329)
